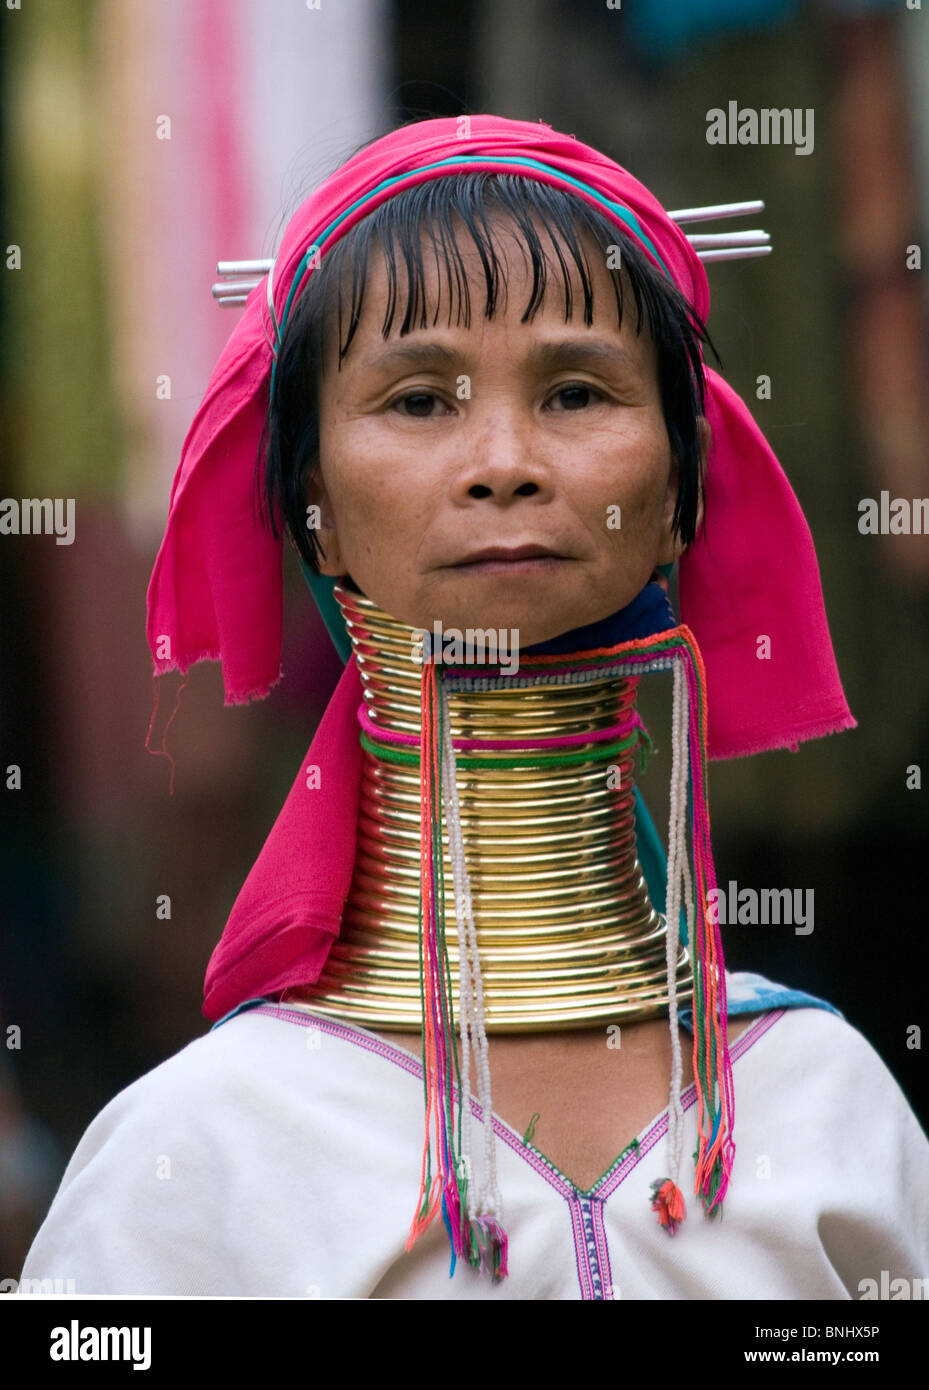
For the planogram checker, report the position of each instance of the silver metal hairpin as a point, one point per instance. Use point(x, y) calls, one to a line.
point(241, 277)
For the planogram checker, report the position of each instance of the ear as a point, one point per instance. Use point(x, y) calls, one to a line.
point(672, 548)
point(322, 520)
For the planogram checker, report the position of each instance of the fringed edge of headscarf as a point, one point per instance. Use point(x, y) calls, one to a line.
point(791, 742)
point(183, 668)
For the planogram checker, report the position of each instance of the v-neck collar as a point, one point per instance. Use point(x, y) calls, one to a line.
point(610, 1179)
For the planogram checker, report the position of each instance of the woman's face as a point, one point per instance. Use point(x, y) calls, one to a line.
point(450, 440)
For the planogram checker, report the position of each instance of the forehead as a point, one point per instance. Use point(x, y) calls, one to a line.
point(461, 285)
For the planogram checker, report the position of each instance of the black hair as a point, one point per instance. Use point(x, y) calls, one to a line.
point(289, 445)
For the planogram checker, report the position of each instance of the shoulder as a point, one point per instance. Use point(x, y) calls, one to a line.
point(219, 1065)
point(266, 1070)
point(749, 993)
point(188, 1176)
point(792, 1019)
point(825, 1120)
point(248, 1069)
point(820, 1065)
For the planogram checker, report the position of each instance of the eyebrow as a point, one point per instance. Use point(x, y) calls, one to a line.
point(572, 352)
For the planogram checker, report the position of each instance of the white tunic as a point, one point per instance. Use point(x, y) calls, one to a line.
point(279, 1155)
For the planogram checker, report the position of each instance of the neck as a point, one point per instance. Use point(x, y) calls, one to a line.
point(567, 935)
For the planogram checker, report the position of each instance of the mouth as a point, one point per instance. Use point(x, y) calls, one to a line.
point(510, 560)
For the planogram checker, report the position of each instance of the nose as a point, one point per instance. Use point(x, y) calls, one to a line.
point(525, 489)
point(503, 461)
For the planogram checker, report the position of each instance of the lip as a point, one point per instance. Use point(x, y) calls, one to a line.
point(535, 564)
point(506, 555)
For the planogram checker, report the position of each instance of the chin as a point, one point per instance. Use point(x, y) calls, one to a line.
point(535, 610)
point(527, 628)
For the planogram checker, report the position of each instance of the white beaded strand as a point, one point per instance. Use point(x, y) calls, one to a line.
point(678, 873)
point(465, 989)
point(483, 1199)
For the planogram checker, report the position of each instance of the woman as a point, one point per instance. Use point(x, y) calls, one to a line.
point(487, 482)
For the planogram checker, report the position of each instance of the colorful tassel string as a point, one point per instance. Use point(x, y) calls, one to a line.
point(667, 1199)
point(668, 1203)
point(712, 1064)
point(446, 1170)
point(480, 1239)
point(439, 1052)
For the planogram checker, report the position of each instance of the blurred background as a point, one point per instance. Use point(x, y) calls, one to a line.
point(141, 144)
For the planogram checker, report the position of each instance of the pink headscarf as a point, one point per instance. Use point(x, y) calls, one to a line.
point(216, 592)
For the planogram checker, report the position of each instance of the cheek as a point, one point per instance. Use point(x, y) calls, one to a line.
point(637, 482)
point(380, 510)
point(377, 481)
point(361, 504)
point(353, 482)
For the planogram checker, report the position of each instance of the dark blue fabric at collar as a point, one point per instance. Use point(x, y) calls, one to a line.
point(648, 613)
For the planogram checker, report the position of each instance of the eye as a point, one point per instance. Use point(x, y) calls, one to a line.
point(421, 403)
point(580, 392)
